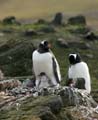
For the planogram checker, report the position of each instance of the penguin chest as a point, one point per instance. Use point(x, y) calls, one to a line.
point(78, 71)
point(42, 63)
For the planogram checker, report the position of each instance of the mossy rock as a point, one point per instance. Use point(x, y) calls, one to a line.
point(58, 19)
point(17, 60)
point(80, 19)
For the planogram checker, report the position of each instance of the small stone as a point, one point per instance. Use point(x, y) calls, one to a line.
point(46, 114)
point(62, 43)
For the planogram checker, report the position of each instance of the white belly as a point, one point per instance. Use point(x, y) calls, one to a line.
point(42, 63)
point(80, 70)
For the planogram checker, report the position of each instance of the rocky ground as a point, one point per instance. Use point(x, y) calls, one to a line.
point(63, 103)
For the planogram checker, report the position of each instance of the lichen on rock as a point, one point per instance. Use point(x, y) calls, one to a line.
point(63, 103)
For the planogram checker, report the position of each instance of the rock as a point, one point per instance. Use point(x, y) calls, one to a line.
point(41, 21)
point(1, 34)
point(94, 94)
point(90, 36)
point(44, 92)
point(68, 96)
point(87, 46)
point(80, 19)
point(55, 104)
point(75, 97)
point(58, 19)
point(10, 20)
point(24, 90)
point(61, 42)
point(82, 113)
point(46, 114)
point(30, 32)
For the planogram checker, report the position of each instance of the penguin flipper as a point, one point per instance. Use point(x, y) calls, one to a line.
point(55, 70)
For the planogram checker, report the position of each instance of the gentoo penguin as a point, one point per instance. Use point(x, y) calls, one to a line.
point(44, 62)
point(79, 70)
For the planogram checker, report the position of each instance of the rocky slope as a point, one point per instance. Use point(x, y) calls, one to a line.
point(64, 103)
point(17, 42)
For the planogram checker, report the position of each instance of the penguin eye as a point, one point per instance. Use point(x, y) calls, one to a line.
point(46, 43)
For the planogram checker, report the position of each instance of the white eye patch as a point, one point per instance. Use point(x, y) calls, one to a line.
point(75, 55)
point(43, 42)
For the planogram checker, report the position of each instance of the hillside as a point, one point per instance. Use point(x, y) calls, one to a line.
point(17, 43)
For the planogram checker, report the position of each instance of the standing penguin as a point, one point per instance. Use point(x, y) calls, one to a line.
point(79, 70)
point(45, 63)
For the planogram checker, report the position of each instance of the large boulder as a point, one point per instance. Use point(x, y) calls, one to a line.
point(73, 97)
point(10, 20)
point(58, 19)
point(66, 104)
point(80, 19)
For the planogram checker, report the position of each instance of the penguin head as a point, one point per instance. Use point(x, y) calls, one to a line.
point(44, 46)
point(74, 58)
